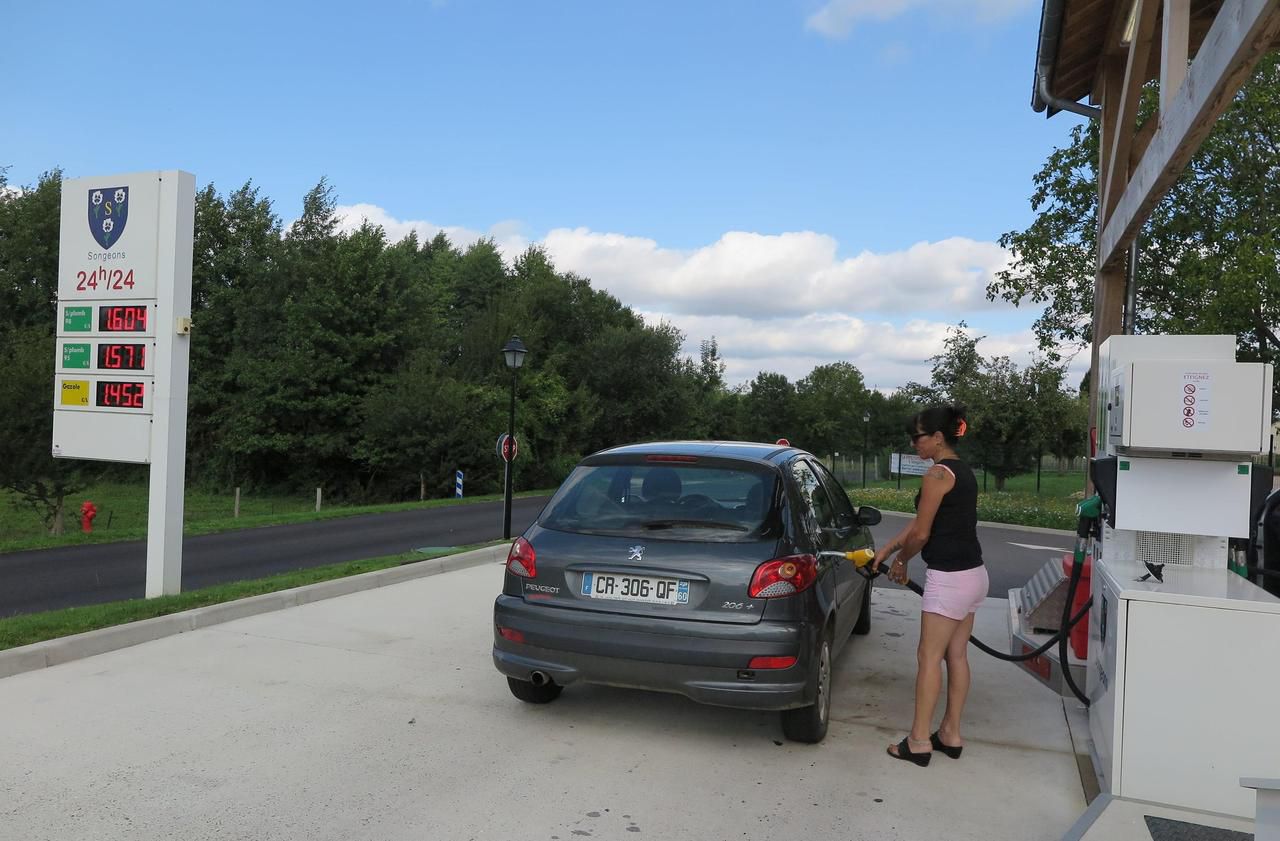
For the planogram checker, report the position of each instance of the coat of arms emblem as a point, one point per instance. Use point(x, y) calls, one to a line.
point(108, 213)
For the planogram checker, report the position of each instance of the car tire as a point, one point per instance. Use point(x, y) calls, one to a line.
point(809, 724)
point(530, 694)
point(863, 626)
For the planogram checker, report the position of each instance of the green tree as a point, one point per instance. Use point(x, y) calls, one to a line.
point(771, 410)
point(36, 478)
point(29, 226)
point(1014, 415)
point(831, 402)
point(1209, 257)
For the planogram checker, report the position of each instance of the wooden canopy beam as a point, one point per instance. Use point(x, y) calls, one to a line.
point(1242, 33)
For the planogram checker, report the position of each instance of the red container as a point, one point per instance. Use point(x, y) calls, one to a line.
point(1080, 633)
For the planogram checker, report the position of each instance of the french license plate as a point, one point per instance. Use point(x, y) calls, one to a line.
point(635, 588)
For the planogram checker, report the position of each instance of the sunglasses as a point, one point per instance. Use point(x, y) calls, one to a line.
point(916, 436)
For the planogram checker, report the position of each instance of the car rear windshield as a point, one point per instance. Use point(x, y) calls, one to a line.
point(683, 501)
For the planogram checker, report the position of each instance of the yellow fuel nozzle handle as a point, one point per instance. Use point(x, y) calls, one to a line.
point(860, 557)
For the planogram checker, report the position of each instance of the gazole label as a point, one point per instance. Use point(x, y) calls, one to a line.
point(74, 393)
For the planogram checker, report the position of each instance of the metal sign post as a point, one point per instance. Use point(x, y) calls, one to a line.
point(123, 328)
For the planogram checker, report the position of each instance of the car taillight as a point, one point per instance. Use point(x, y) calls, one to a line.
point(522, 560)
point(771, 663)
point(512, 635)
point(783, 576)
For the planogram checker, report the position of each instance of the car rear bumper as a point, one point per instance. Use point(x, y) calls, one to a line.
point(705, 661)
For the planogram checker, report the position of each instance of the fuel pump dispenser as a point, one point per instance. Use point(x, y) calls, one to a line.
point(1183, 665)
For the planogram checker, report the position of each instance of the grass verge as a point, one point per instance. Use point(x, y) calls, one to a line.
point(1015, 508)
point(1018, 504)
point(38, 627)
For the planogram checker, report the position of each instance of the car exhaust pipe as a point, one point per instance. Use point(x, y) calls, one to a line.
point(539, 679)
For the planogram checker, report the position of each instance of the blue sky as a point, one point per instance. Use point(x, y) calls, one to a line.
point(806, 180)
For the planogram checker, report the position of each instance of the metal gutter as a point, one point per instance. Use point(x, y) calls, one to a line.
point(1046, 55)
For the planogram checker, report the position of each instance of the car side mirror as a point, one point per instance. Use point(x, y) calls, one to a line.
point(868, 516)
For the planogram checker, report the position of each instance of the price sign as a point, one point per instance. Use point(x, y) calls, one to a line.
point(118, 267)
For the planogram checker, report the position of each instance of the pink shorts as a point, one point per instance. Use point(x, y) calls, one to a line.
point(955, 594)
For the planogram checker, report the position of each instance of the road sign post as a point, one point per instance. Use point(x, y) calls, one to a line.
point(507, 450)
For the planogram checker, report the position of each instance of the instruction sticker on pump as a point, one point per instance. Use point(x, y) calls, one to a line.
point(1194, 404)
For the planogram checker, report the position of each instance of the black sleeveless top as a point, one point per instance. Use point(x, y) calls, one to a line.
point(953, 543)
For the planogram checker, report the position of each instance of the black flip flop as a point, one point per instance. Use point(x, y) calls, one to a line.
point(949, 750)
point(905, 752)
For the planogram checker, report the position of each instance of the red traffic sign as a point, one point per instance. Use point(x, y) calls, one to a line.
point(507, 448)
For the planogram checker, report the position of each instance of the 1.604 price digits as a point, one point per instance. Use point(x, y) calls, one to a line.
point(120, 395)
point(123, 319)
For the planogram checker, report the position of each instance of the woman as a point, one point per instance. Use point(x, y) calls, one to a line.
point(945, 533)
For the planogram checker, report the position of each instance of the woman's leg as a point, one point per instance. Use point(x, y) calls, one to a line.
point(935, 633)
point(957, 658)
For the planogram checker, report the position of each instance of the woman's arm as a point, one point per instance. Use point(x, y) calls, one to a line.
point(908, 543)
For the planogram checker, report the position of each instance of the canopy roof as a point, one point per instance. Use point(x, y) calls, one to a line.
point(1076, 35)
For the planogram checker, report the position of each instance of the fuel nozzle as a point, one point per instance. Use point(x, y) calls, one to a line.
point(859, 557)
point(1088, 512)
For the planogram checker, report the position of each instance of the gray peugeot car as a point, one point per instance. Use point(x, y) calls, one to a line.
point(715, 570)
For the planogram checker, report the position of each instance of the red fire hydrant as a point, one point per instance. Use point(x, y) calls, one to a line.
point(87, 512)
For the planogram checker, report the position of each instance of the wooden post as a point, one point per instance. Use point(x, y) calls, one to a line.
point(237, 514)
point(317, 500)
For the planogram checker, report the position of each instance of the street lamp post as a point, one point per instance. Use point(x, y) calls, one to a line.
point(866, 428)
point(513, 352)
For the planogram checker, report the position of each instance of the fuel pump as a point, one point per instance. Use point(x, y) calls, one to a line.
point(1177, 635)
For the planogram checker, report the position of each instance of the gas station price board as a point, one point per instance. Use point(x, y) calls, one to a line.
point(106, 351)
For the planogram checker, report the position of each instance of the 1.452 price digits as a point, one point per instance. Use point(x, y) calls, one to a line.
point(112, 279)
point(123, 319)
point(124, 357)
point(120, 395)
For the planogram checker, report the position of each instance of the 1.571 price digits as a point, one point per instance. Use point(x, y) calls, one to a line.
point(126, 357)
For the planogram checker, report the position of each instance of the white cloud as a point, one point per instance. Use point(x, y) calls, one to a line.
point(783, 302)
point(769, 275)
point(837, 18)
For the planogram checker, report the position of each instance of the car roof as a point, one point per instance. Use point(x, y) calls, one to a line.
point(743, 450)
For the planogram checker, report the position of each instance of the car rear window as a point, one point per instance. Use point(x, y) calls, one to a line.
point(686, 501)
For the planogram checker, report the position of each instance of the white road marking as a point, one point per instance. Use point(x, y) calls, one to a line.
point(1034, 546)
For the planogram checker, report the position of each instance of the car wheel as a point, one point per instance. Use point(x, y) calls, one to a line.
point(809, 724)
point(529, 693)
point(863, 625)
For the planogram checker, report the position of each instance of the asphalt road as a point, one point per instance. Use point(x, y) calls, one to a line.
point(1012, 554)
point(48, 579)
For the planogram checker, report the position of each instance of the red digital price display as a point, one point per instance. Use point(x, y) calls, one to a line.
point(122, 357)
point(122, 318)
point(120, 395)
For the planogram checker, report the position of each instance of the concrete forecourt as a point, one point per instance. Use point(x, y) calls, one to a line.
point(378, 714)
